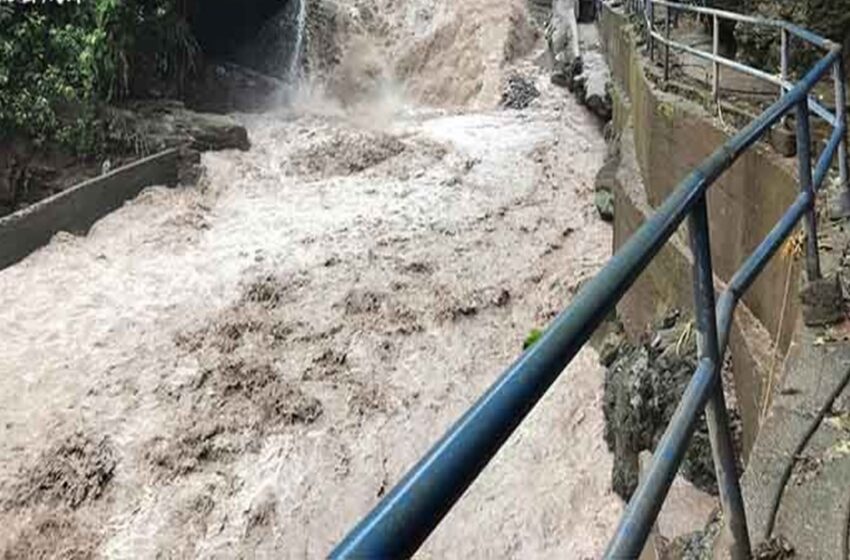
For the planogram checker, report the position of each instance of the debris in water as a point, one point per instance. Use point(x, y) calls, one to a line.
point(70, 473)
point(518, 92)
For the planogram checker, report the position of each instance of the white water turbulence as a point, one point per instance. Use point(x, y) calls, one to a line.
point(242, 368)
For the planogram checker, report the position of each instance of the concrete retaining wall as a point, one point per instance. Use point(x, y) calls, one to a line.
point(663, 138)
point(76, 209)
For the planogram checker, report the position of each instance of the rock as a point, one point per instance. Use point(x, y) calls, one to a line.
point(643, 386)
point(568, 75)
point(189, 167)
point(823, 301)
point(777, 548)
point(605, 185)
point(610, 348)
point(593, 85)
point(759, 45)
point(783, 140)
point(166, 124)
point(601, 105)
point(212, 132)
point(540, 10)
point(227, 87)
point(604, 201)
point(518, 92)
point(146, 127)
point(589, 79)
point(698, 545)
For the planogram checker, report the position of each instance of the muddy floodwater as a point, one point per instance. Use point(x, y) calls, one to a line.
point(242, 368)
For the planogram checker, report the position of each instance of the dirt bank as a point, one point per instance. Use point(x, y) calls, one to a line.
point(244, 368)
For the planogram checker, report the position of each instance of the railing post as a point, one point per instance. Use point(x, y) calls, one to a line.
point(804, 148)
point(715, 49)
point(783, 60)
point(667, 44)
point(722, 448)
point(650, 24)
point(841, 120)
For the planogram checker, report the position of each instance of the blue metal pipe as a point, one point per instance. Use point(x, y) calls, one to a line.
point(804, 157)
point(841, 119)
point(406, 516)
point(716, 416)
point(829, 151)
point(755, 263)
point(808, 36)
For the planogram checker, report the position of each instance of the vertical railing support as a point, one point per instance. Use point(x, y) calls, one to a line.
point(667, 44)
point(783, 60)
point(716, 416)
point(843, 210)
point(715, 49)
point(650, 24)
point(783, 66)
point(804, 167)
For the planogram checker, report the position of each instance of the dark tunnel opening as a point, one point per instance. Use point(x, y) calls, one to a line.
point(258, 34)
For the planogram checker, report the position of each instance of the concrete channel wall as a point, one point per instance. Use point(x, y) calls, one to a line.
point(76, 209)
point(663, 137)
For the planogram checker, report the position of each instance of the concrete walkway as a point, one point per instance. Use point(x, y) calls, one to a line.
point(812, 514)
point(812, 511)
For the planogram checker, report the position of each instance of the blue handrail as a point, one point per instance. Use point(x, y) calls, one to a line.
point(405, 517)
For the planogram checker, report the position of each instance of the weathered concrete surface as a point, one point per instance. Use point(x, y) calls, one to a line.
point(811, 513)
point(663, 139)
point(823, 301)
point(77, 208)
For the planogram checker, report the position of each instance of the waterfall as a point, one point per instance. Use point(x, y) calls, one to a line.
point(294, 73)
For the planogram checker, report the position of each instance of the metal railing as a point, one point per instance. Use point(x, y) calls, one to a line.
point(784, 30)
point(404, 518)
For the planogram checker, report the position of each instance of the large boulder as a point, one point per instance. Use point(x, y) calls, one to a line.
point(147, 127)
point(151, 126)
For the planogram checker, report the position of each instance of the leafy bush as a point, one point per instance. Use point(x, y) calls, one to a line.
point(58, 63)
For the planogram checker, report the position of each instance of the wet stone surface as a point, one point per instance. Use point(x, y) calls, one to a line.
point(643, 385)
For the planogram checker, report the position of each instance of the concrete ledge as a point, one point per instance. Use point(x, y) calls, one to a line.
point(76, 209)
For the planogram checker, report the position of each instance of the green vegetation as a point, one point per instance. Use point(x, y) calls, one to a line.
point(60, 63)
point(533, 336)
